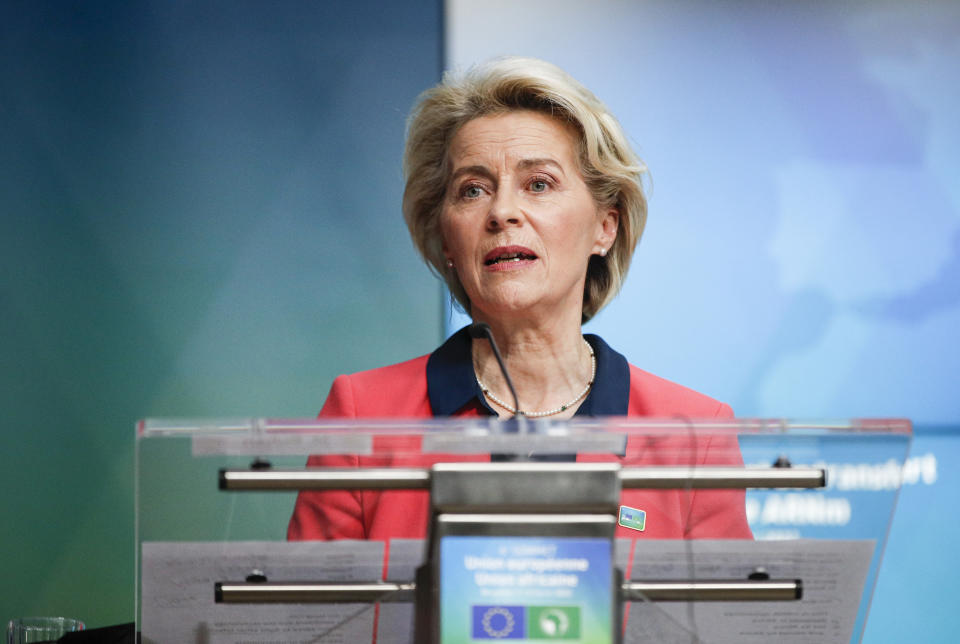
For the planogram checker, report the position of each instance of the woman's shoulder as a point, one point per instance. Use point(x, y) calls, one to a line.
point(397, 390)
point(393, 373)
point(654, 396)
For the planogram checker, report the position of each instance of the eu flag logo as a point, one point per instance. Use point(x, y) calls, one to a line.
point(499, 623)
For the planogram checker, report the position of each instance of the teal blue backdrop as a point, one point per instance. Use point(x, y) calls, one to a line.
point(200, 216)
point(802, 254)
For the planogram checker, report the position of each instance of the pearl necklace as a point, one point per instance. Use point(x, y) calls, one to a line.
point(539, 414)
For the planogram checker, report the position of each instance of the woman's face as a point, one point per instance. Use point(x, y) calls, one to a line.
point(518, 221)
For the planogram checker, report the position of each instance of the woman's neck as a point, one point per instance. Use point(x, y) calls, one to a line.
point(550, 364)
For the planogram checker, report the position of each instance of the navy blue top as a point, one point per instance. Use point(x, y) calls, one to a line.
point(452, 385)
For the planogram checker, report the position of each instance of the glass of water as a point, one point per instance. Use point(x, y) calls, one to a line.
point(29, 630)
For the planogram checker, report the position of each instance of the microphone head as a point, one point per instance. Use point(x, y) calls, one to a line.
point(478, 330)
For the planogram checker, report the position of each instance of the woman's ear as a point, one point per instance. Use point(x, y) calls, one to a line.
point(607, 228)
point(447, 260)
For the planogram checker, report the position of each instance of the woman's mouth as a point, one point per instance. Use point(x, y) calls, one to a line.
point(505, 256)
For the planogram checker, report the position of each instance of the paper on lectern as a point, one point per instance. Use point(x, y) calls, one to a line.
point(833, 574)
point(178, 592)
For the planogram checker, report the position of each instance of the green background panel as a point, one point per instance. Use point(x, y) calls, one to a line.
point(199, 216)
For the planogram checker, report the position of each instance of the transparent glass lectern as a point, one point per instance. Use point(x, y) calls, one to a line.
point(596, 531)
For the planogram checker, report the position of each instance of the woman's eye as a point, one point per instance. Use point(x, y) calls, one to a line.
point(538, 185)
point(471, 192)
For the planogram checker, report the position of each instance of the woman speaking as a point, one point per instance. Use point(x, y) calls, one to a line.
point(523, 194)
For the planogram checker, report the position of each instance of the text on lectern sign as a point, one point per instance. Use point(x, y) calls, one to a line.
point(526, 589)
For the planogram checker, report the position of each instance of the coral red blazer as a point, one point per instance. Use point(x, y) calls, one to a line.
point(442, 384)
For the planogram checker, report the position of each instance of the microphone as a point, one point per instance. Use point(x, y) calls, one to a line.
point(517, 424)
point(479, 330)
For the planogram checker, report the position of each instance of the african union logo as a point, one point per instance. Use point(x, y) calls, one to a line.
point(499, 623)
point(554, 622)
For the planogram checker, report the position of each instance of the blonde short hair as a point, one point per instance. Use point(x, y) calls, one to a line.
point(610, 168)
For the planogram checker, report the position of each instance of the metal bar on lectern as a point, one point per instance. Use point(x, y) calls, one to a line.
point(228, 592)
point(717, 477)
point(414, 478)
point(348, 478)
point(720, 590)
point(660, 591)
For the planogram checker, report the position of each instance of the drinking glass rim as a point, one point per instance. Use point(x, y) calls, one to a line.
point(42, 622)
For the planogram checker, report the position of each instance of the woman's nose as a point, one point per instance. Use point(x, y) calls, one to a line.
point(504, 211)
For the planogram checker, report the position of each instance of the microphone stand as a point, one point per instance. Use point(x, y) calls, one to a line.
point(519, 423)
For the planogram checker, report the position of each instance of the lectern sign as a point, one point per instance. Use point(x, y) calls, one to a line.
point(526, 589)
